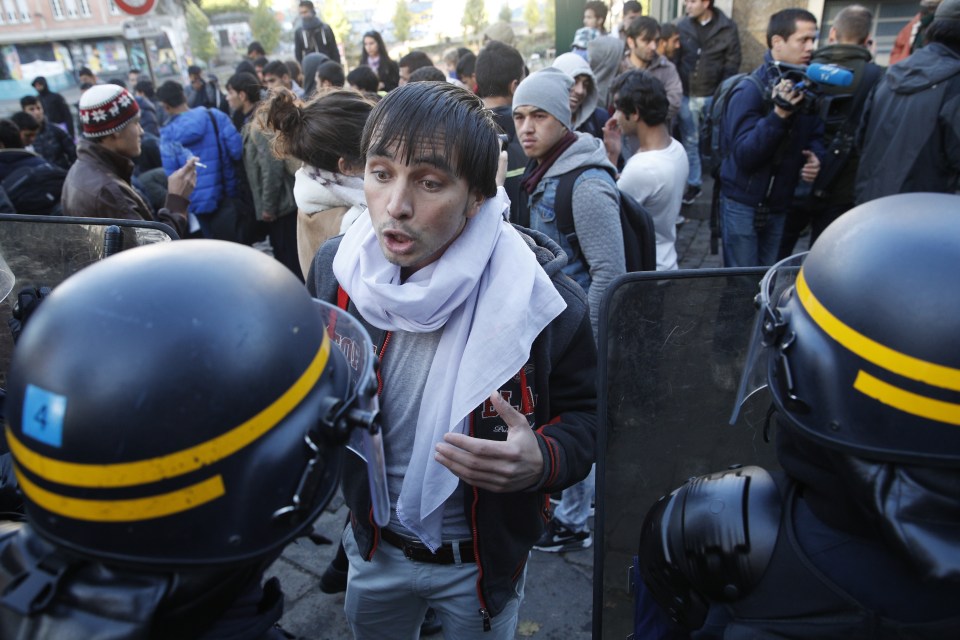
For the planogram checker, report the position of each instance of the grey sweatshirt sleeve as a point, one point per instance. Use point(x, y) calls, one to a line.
point(596, 217)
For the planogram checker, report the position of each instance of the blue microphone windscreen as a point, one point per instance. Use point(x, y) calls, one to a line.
point(830, 74)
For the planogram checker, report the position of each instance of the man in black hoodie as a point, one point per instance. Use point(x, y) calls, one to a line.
point(56, 108)
point(911, 125)
point(314, 34)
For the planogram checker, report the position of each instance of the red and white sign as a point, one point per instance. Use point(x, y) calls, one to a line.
point(136, 7)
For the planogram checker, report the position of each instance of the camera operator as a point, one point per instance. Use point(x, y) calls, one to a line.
point(831, 195)
point(774, 142)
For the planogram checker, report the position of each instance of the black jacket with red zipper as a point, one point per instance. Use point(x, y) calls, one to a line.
point(557, 387)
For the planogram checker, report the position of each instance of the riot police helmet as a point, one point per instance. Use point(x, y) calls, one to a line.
point(168, 406)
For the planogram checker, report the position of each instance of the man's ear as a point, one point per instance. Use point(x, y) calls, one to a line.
point(476, 201)
point(775, 42)
point(513, 87)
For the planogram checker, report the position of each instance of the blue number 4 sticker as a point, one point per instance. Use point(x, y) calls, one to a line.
point(43, 413)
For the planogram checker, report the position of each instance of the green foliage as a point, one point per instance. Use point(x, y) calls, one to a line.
point(198, 33)
point(474, 17)
point(213, 7)
point(402, 18)
point(550, 18)
point(334, 15)
point(265, 27)
point(531, 14)
point(505, 15)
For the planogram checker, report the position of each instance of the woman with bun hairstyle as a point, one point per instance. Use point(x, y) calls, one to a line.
point(271, 184)
point(325, 135)
point(376, 57)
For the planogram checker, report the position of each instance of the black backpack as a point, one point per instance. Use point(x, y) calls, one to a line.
point(639, 241)
point(712, 151)
point(36, 190)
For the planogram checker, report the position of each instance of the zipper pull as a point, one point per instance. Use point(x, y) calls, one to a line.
point(486, 619)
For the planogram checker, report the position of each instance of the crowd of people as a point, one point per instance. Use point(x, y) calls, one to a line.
point(394, 174)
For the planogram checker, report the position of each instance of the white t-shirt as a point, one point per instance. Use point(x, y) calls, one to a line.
point(657, 180)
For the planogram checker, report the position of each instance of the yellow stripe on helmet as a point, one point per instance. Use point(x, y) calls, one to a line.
point(872, 351)
point(127, 474)
point(907, 401)
point(124, 510)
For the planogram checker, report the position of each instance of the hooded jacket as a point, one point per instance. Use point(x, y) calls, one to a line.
point(556, 388)
point(56, 108)
point(588, 114)
point(709, 54)
point(911, 127)
point(98, 186)
point(599, 258)
point(323, 37)
point(193, 131)
point(606, 54)
point(311, 62)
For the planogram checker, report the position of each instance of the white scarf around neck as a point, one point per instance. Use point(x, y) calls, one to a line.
point(492, 299)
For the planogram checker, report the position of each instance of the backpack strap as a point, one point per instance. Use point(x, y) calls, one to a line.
point(343, 299)
point(563, 202)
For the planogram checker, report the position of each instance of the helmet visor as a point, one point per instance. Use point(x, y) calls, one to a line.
point(775, 288)
point(362, 406)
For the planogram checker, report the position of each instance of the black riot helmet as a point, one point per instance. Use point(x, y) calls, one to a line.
point(167, 407)
point(861, 348)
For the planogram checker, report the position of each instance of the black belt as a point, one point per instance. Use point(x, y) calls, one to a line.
point(418, 552)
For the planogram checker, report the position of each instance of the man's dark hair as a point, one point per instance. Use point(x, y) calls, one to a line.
point(668, 30)
point(247, 84)
point(194, 70)
point(171, 94)
point(308, 5)
point(498, 65)
point(421, 114)
point(120, 82)
point(632, 6)
point(10, 134)
point(257, 48)
point(599, 9)
point(853, 24)
point(638, 92)
point(332, 72)
point(946, 32)
point(276, 68)
point(25, 121)
point(364, 78)
point(467, 64)
point(146, 88)
point(784, 23)
point(414, 60)
point(428, 74)
point(27, 101)
point(134, 70)
point(260, 63)
point(84, 71)
point(643, 27)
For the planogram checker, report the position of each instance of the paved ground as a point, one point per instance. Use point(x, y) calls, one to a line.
point(558, 594)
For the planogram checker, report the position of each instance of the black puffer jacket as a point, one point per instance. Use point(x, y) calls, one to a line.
point(709, 54)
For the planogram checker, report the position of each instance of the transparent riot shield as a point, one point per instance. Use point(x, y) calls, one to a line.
point(671, 351)
point(362, 406)
point(43, 251)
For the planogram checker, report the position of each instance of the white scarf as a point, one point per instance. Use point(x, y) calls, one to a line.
point(316, 190)
point(492, 299)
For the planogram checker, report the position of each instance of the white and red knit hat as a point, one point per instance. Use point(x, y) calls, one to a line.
point(106, 109)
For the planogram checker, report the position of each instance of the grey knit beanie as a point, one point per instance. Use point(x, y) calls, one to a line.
point(547, 89)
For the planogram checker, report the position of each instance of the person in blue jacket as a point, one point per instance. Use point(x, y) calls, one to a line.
point(208, 134)
point(773, 144)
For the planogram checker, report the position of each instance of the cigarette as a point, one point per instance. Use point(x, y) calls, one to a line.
point(200, 164)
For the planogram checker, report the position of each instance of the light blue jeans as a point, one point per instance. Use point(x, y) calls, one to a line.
point(388, 597)
point(574, 507)
point(689, 119)
point(743, 244)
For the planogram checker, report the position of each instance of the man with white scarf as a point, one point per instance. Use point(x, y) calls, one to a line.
point(487, 367)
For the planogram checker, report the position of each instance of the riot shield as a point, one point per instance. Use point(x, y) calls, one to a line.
point(671, 350)
point(43, 251)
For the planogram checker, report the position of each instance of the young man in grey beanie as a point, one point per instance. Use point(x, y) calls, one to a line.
point(541, 113)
